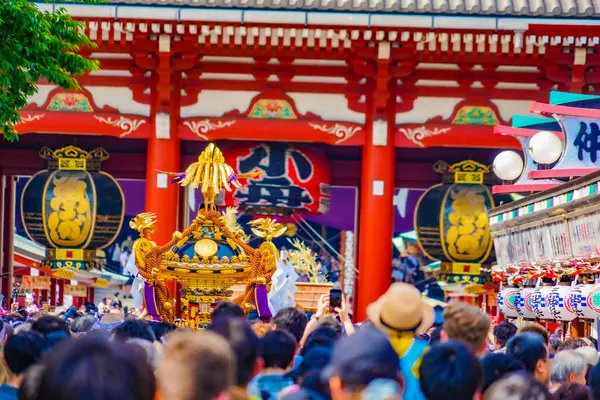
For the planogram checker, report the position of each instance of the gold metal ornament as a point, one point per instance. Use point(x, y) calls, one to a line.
point(206, 248)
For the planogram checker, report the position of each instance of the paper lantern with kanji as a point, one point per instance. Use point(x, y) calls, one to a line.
point(72, 208)
point(451, 219)
point(507, 302)
point(523, 303)
point(559, 304)
point(585, 301)
point(295, 178)
point(539, 300)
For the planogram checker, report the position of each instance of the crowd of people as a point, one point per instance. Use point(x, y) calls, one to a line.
point(397, 353)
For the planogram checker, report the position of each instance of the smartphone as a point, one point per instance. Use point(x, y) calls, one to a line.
point(335, 298)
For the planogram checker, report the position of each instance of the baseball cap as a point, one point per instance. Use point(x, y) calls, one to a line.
point(363, 357)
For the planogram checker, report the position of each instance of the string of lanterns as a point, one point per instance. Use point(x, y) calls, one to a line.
point(518, 274)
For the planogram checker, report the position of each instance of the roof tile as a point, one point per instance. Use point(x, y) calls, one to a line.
point(533, 8)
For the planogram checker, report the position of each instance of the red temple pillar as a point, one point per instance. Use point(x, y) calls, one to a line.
point(376, 211)
point(91, 294)
point(162, 197)
point(53, 292)
point(60, 299)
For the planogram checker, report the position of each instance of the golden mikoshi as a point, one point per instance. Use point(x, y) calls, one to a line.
point(212, 254)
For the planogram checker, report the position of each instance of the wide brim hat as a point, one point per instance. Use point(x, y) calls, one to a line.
point(401, 309)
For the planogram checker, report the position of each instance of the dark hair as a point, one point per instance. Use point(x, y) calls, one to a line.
point(528, 348)
point(573, 391)
point(292, 320)
point(537, 329)
point(225, 309)
point(504, 331)
point(94, 368)
point(49, 324)
point(593, 340)
point(22, 350)
point(308, 373)
point(497, 365)
point(518, 385)
point(450, 371)
point(83, 324)
point(243, 341)
point(331, 322)
point(278, 349)
point(28, 389)
point(571, 344)
point(134, 329)
point(324, 336)
point(162, 329)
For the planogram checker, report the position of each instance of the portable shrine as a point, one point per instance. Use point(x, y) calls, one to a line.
point(209, 256)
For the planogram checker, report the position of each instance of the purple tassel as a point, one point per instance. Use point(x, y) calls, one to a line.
point(150, 301)
point(180, 176)
point(232, 177)
point(262, 303)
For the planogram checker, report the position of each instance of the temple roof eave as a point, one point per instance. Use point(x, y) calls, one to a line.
point(372, 14)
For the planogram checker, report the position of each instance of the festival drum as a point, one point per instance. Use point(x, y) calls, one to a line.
point(558, 304)
point(539, 302)
point(507, 302)
point(523, 303)
point(585, 301)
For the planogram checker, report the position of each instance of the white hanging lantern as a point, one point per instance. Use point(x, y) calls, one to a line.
point(559, 305)
point(524, 304)
point(507, 302)
point(545, 147)
point(508, 165)
point(539, 302)
point(585, 301)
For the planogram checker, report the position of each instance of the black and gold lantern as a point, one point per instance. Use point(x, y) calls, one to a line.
point(452, 223)
point(72, 208)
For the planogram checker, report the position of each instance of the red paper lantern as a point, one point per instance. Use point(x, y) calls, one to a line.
point(295, 178)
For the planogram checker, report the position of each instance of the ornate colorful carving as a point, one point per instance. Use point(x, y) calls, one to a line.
point(475, 115)
point(200, 128)
point(127, 125)
point(72, 102)
point(272, 109)
point(416, 135)
point(343, 132)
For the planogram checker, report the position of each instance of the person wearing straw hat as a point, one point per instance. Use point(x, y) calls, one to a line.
point(401, 313)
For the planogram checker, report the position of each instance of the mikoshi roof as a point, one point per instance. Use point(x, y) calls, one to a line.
point(517, 8)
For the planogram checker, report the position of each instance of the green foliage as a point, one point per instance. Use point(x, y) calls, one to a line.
point(36, 45)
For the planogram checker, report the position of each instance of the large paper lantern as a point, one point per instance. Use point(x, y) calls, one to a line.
point(507, 302)
point(524, 305)
point(451, 219)
point(559, 305)
point(540, 303)
point(72, 208)
point(585, 301)
point(294, 178)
